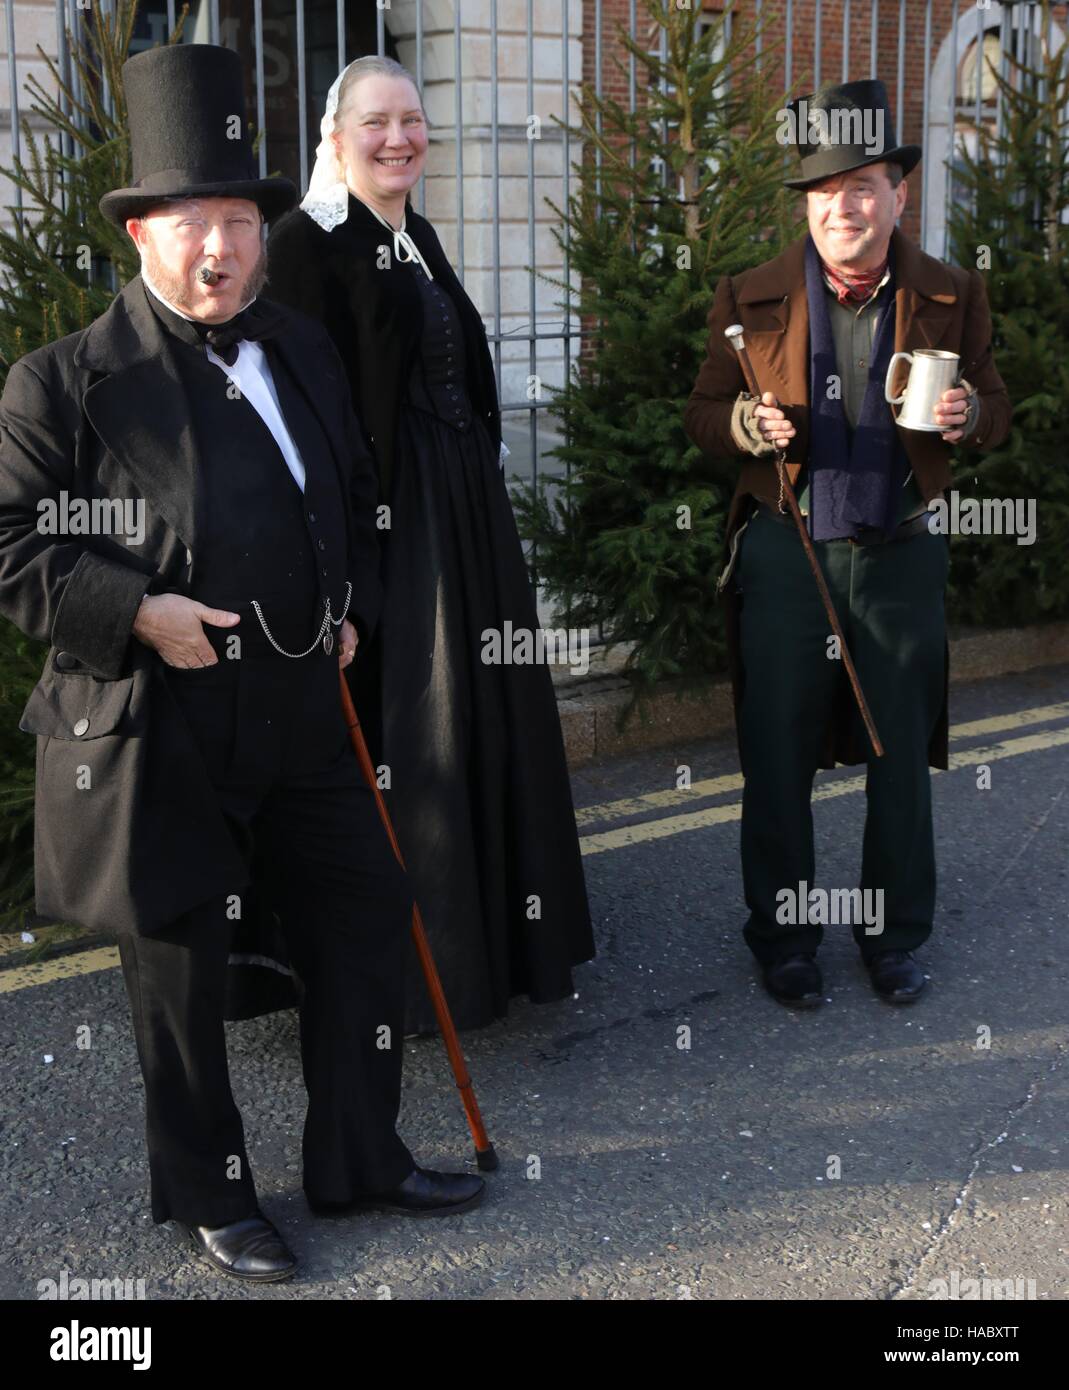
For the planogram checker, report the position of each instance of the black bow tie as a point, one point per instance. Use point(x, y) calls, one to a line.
point(256, 322)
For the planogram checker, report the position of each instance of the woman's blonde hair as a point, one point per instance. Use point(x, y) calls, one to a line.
point(372, 66)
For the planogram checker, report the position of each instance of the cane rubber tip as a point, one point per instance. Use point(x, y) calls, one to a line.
point(487, 1160)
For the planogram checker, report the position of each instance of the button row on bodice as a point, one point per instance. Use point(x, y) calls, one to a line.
point(442, 367)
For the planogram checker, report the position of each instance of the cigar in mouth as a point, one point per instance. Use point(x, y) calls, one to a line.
point(206, 276)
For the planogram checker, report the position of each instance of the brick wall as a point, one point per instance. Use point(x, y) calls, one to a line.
point(909, 121)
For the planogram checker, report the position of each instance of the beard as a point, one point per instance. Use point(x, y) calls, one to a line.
point(176, 289)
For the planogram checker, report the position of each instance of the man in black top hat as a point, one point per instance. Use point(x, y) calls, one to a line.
point(821, 322)
point(189, 726)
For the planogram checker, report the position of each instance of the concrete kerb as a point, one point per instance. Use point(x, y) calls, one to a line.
point(590, 705)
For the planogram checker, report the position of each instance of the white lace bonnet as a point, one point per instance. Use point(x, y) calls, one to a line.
point(327, 199)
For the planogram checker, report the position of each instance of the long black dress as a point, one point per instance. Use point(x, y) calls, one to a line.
point(477, 780)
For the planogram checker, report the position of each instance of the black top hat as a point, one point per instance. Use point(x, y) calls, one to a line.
point(845, 127)
point(185, 104)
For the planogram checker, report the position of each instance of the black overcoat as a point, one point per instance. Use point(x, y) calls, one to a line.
point(372, 308)
point(128, 832)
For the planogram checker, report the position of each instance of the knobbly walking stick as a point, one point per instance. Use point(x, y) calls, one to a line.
point(484, 1150)
point(734, 336)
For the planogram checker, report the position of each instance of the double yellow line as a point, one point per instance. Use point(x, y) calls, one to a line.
point(663, 826)
point(660, 827)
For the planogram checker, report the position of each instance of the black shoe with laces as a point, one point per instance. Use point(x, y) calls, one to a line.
point(896, 976)
point(247, 1249)
point(423, 1193)
point(795, 981)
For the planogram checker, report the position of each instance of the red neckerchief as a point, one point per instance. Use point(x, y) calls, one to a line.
point(855, 288)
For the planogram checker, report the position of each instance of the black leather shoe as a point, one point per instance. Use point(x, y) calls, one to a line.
point(795, 981)
point(248, 1249)
point(896, 976)
point(423, 1193)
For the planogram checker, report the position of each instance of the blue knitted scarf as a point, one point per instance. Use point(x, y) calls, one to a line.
point(853, 483)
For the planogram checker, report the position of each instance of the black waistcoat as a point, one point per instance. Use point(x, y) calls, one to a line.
point(261, 537)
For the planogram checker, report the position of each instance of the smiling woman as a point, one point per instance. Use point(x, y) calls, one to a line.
point(469, 747)
point(378, 136)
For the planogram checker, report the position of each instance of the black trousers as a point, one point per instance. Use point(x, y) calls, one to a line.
point(273, 738)
point(889, 599)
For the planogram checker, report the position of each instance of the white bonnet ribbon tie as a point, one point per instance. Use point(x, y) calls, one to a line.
point(401, 238)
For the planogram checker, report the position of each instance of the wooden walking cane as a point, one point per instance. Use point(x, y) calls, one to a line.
point(484, 1150)
point(734, 336)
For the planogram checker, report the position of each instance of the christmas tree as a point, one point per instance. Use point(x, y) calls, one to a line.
point(1013, 227)
point(62, 261)
point(688, 188)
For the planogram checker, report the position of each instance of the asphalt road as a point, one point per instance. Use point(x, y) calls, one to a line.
point(633, 1167)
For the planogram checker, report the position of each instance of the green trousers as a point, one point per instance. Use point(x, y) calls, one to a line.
point(889, 599)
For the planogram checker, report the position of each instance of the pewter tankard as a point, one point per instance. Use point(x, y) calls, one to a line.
point(932, 372)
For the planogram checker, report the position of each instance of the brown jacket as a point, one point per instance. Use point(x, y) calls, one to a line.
point(936, 306)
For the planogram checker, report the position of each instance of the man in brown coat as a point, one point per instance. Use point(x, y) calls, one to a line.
point(821, 321)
